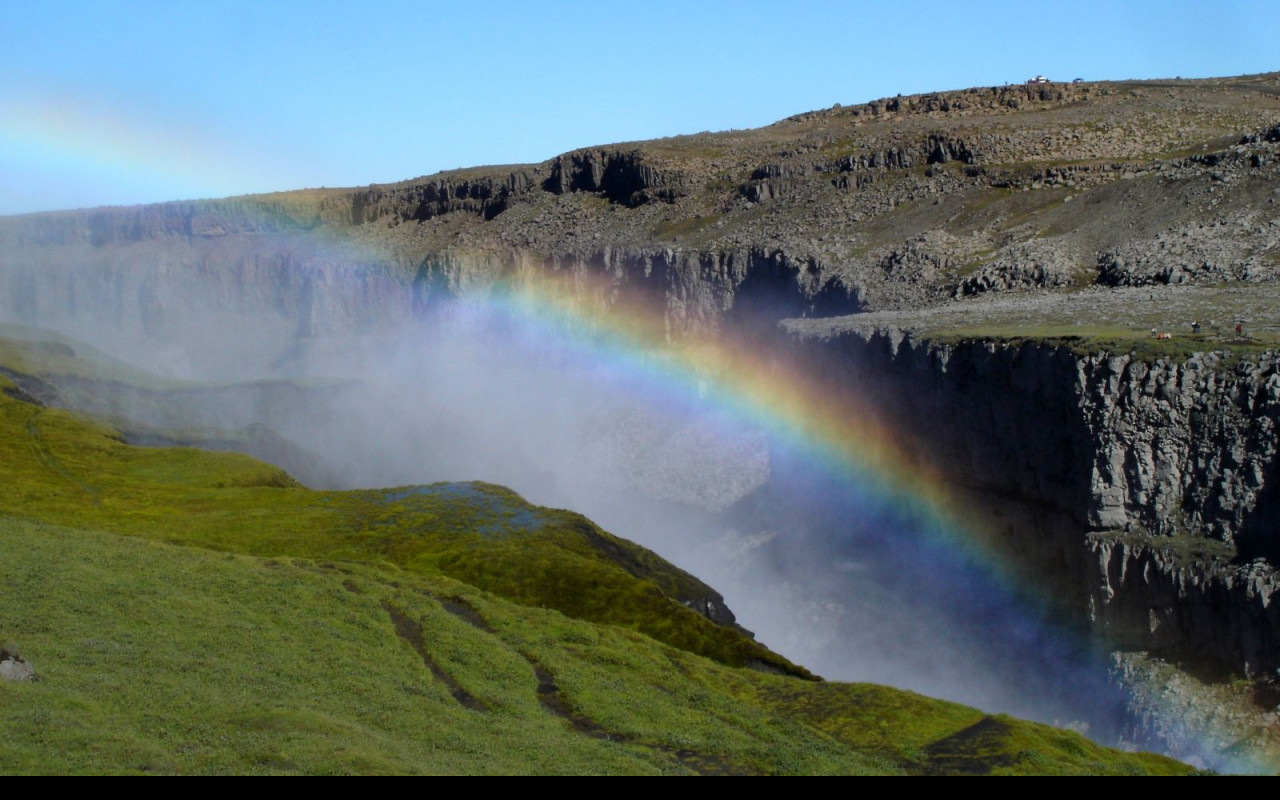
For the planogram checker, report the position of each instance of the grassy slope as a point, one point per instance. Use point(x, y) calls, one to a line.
point(285, 630)
point(159, 658)
point(65, 469)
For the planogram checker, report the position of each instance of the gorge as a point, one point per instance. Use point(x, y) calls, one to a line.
point(884, 375)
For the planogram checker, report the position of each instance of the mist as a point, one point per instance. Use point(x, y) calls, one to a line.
point(819, 569)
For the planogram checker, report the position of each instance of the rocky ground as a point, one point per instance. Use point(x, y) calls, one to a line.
point(1090, 311)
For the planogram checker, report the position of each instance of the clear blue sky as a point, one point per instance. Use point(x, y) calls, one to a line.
point(134, 101)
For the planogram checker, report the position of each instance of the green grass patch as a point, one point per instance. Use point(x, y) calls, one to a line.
point(155, 658)
point(68, 470)
point(684, 227)
point(1088, 340)
point(1183, 548)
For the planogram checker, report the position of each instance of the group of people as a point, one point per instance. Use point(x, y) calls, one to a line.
point(1156, 333)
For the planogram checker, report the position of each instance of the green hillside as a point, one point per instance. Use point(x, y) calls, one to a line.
point(196, 612)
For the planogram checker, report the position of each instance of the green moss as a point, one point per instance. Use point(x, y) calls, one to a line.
point(68, 470)
point(154, 658)
point(1087, 340)
point(684, 227)
point(1182, 548)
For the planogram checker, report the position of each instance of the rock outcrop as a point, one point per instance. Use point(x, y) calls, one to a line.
point(14, 667)
point(1152, 487)
point(622, 177)
point(485, 195)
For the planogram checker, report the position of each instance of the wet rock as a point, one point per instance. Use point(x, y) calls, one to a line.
point(14, 667)
point(1156, 484)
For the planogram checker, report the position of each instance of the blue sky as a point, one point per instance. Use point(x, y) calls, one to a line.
point(128, 102)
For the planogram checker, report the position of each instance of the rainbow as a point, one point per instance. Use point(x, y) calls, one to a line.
point(70, 135)
point(836, 430)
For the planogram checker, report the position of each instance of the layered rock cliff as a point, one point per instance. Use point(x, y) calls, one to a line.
point(895, 204)
point(1143, 493)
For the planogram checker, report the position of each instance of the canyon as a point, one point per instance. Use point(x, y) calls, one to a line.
point(989, 271)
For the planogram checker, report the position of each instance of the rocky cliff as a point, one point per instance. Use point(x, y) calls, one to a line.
point(1145, 492)
point(899, 203)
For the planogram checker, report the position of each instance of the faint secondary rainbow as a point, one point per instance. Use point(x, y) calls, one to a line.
point(91, 145)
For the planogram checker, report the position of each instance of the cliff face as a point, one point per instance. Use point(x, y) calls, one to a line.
point(1184, 447)
point(303, 284)
point(895, 204)
point(1144, 494)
